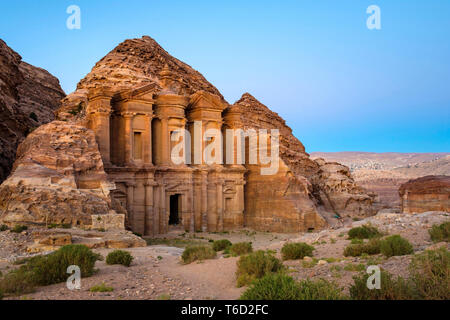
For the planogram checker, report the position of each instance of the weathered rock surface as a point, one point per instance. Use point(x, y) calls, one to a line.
point(49, 240)
point(429, 193)
point(28, 98)
point(384, 173)
point(58, 177)
point(313, 184)
point(294, 200)
point(134, 63)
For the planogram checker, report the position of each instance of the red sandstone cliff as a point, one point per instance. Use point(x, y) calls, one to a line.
point(330, 184)
point(28, 98)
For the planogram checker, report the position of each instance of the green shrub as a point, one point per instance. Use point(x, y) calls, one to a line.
point(119, 257)
point(3, 227)
point(429, 279)
point(390, 289)
point(440, 232)
point(220, 245)
point(430, 274)
point(357, 241)
point(240, 248)
point(278, 286)
point(395, 246)
point(18, 228)
point(364, 232)
point(274, 286)
point(319, 290)
point(50, 269)
point(17, 282)
point(101, 288)
point(370, 248)
point(294, 251)
point(194, 253)
point(255, 266)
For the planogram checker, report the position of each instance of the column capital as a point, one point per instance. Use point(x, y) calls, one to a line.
point(128, 114)
point(130, 184)
point(150, 183)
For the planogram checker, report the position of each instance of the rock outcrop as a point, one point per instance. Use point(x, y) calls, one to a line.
point(324, 185)
point(28, 98)
point(429, 193)
point(58, 178)
point(63, 178)
point(384, 173)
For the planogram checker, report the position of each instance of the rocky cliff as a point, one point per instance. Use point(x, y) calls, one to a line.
point(330, 184)
point(429, 193)
point(301, 193)
point(384, 173)
point(28, 98)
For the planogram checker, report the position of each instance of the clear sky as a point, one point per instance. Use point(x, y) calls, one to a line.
point(339, 85)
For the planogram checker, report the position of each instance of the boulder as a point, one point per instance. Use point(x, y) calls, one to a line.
point(58, 178)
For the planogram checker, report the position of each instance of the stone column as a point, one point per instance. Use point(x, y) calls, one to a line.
point(240, 194)
point(128, 143)
point(165, 143)
point(204, 203)
point(191, 195)
point(130, 202)
point(148, 139)
point(162, 215)
point(149, 218)
point(156, 209)
point(219, 201)
point(102, 135)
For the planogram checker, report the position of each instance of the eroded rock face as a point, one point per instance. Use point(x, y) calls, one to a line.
point(58, 178)
point(324, 185)
point(429, 193)
point(63, 178)
point(135, 63)
point(28, 98)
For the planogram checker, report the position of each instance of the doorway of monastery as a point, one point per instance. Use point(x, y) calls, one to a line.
point(175, 209)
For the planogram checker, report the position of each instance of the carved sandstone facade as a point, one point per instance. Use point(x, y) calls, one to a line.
point(114, 141)
point(133, 130)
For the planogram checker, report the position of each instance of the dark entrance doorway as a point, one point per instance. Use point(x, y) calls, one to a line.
point(175, 209)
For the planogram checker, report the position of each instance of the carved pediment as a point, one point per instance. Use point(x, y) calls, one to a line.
point(206, 100)
point(143, 93)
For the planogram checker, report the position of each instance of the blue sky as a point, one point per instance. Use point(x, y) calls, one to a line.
point(339, 85)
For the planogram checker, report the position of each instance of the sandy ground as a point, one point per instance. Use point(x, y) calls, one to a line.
point(157, 271)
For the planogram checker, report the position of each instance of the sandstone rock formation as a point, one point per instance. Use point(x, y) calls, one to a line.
point(301, 185)
point(384, 173)
point(58, 178)
point(429, 193)
point(67, 169)
point(28, 98)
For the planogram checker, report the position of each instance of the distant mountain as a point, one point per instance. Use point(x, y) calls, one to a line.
point(378, 161)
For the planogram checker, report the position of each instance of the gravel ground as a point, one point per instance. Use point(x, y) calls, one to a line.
point(157, 273)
